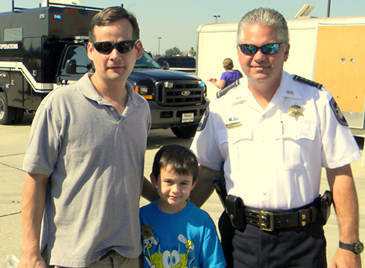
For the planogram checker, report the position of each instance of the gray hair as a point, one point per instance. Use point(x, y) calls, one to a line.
point(264, 17)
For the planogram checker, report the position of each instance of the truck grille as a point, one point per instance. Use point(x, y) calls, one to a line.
point(182, 93)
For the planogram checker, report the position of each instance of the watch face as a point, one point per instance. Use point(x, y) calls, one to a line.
point(358, 247)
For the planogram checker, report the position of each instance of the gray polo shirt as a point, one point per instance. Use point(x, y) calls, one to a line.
point(95, 159)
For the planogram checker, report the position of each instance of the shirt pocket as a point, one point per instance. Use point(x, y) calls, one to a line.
point(297, 140)
point(233, 140)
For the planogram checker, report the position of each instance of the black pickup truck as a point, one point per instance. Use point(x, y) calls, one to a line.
point(45, 48)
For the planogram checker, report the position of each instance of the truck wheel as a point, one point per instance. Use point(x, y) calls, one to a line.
point(185, 132)
point(18, 116)
point(6, 112)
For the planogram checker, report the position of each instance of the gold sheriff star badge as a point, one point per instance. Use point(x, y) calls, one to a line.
point(295, 111)
point(147, 230)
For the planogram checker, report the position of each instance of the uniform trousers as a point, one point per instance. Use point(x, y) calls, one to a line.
point(303, 247)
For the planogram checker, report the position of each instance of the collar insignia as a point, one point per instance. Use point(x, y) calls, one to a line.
point(295, 111)
point(290, 92)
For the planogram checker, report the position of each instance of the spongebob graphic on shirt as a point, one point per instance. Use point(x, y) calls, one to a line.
point(177, 256)
point(186, 239)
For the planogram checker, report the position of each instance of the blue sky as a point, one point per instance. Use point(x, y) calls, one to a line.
point(176, 21)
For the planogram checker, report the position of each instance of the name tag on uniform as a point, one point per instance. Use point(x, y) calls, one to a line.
point(233, 125)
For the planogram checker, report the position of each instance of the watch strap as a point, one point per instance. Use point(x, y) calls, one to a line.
point(346, 246)
point(356, 247)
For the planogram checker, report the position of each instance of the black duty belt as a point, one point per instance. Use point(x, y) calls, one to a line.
point(270, 220)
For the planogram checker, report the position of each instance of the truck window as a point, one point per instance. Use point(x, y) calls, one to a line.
point(14, 34)
point(188, 62)
point(146, 62)
point(174, 63)
point(79, 54)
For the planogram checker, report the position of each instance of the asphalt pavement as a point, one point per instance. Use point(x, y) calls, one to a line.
point(13, 144)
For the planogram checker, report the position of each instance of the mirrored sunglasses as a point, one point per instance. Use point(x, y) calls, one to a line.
point(122, 46)
point(268, 49)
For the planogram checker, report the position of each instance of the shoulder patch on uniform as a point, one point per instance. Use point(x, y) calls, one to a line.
point(203, 120)
point(307, 81)
point(339, 115)
point(224, 91)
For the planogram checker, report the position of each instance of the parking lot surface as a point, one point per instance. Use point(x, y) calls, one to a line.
point(13, 144)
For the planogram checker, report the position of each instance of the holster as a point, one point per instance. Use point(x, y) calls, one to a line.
point(220, 186)
point(325, 207)
point(235, 210)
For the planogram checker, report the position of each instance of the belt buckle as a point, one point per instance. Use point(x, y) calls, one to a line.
point(264, 216)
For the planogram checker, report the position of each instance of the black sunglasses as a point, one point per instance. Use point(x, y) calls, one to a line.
point(268, 49)
point(122, 46)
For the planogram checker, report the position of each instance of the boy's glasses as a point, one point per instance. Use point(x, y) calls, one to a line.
point(268, 49)
point(122, 46)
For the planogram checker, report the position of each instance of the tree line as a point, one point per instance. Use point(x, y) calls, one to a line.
point(175, 51)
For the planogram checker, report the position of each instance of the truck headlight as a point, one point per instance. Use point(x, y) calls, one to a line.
point(143, 91)
point(169, 85)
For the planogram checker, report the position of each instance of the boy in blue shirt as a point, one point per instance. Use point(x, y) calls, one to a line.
point(175, 232)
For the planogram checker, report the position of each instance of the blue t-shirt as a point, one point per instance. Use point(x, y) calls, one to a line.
point(231, 77)
point(188, 238)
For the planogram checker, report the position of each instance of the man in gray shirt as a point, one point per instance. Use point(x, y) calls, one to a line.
point(85, 159)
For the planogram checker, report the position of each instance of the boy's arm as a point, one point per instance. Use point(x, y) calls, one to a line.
point(149, 191)
point(204, 186)
point(212, 252)
point(33, 203)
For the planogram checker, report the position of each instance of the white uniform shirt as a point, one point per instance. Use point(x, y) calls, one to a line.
point(272, 160)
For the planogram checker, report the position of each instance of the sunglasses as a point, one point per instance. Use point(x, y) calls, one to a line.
point(122, 46)
point(268, 49)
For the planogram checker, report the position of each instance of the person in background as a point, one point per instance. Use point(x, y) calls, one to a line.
point(229, 76)
point(174, 231)
point(85, 159)
point(273, 133)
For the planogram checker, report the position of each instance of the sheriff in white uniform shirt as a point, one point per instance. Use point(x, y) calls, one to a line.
point(274, 133)
point(273, 157)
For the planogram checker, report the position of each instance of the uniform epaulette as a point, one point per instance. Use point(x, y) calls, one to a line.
point(224, 91)
point(306, 81)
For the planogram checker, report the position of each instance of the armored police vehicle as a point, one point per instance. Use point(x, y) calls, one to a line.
point(45, 48)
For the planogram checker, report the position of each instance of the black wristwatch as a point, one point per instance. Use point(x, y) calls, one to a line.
point(356, 248)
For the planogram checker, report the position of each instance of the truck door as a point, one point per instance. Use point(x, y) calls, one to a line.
point(78, 55)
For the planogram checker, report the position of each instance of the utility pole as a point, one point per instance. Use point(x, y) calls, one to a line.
point(159, 39)
point(216, 17)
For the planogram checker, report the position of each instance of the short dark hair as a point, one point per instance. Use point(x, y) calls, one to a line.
point(110, 15)
point(182, 160)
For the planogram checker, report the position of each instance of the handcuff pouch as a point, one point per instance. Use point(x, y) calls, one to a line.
point(236, 212)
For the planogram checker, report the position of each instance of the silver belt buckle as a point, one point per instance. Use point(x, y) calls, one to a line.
point(264, 215)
